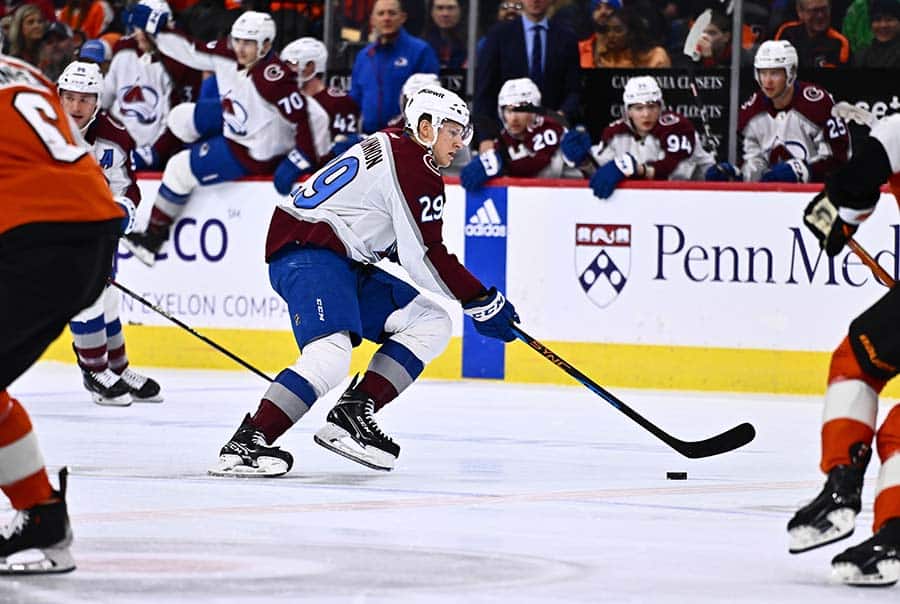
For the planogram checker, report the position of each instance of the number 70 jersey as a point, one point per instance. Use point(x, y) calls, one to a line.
point(383, 197)
point(47, 173)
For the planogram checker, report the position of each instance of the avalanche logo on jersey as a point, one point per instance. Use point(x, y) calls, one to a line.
point(235, 116)
point(140, 102)
point(602, 260)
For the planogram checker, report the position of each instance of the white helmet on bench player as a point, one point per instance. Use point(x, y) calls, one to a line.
point(777, 54)
point(440, 105)
point(516, 92)
point(255, 26)
point(642, 90)
point(414, 84)
point(304, 50)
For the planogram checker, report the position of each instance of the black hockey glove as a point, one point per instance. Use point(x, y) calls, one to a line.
point(822, 218)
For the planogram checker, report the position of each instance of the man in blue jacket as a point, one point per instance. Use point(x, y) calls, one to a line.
point(383, 66)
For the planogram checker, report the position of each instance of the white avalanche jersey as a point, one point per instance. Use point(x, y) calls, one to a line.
point(804, 130)
point(140, 89)
point(384, 197)
point(887, 131)
point(261, 107)
point(112, 146)
point(672, 147)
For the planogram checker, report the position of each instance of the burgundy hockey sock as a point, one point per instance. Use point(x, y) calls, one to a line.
point(270, 420)
point(378, 389)
point(159, 220)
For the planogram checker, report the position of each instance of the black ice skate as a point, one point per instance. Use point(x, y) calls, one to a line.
point(107, 388)
point(873, 563)
point(351, 431)
point(143, 389)
point(247, 454)
point(146, 245)
point(37, 540)
point(831, 516)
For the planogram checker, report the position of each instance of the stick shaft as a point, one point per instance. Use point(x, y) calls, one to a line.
point(879, 272)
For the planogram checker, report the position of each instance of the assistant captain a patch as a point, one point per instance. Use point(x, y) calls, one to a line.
point(602, 260)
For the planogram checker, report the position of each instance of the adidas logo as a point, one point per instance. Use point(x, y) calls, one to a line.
point(486, 222)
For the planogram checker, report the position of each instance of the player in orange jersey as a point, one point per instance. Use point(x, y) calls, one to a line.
point(58, 230)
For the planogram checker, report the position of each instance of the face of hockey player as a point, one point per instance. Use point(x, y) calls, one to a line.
point(517, 122)
point(79, 105)
point(644, 116)
point(773, 82)
point(246, 51)
point(449, 142)
point(387, 17)
point(885, 28)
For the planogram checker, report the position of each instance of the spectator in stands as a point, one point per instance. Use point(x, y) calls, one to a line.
point(590, 49)
point(856, 26)
point(885, 48)
point(715, 43)
point(816, 42)
point(629, 44)
point(383, 66)
point(446, 33)
point(533, 47)
point(57, 49)
point(26, 34)
point(507, 10)
point(96, 51)
point(9, 7)
point(89, 16)
point(789, 134)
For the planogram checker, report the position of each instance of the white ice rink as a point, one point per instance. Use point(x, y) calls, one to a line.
point(502, 493)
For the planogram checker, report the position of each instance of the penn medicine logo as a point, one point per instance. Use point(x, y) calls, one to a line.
point(486, 221)
point(602, 260)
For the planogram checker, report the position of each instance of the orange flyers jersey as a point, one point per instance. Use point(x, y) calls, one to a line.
point(47, 171)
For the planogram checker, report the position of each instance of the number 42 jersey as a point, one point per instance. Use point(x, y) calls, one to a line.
point(384, 197)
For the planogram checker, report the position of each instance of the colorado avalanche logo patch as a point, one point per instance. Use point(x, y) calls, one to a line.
point(139, 102)
point(273, 72)
point(602, 260)
point(235, 116)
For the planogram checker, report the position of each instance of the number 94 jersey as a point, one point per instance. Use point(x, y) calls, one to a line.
point(384, 197)
point(672, 147)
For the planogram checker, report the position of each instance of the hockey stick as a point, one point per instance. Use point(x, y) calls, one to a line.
point(221, 349)
point(721, 443)
point(882, 275)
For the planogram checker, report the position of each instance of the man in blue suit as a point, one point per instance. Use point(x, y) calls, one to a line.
point(528, 47)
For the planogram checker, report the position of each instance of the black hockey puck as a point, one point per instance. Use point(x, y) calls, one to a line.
point(676, 475)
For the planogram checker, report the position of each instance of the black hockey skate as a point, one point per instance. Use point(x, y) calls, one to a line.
point(37, 540)
point(351, 431)
point(248, 454)
point(873, 563)
point(831, 516)
point(107, 388)
point(146, 245)
point(143, 389)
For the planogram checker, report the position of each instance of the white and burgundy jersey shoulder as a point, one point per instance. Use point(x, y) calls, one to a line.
point(804, 130)
point(264, 113)
point(384, 196)
point(535, 153)
point(343, 112)
point(140, 89)
point(672, 147)
point(112, 147)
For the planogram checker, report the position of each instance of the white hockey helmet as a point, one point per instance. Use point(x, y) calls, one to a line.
point(775, 54)
point(519, 91)
point(642, 89)
point(441, 105)
point(256, 26)
point(415, 83)
point(81, 76)
point(304, 50)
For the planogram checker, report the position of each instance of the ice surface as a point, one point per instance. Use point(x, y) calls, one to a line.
point(502, 493)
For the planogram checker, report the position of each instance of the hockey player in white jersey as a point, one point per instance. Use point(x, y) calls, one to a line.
point(99, 342)
point(788, 132)
point(267, 124)
point(648, 143)
point(384, 198)
point(141, 87)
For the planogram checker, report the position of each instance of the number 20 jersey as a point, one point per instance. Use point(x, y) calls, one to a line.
point(384, 196)
point(47, 173)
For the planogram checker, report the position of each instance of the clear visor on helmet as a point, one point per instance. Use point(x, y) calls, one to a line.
point(454, 129)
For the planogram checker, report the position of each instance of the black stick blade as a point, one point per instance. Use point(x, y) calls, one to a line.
point(721, 443)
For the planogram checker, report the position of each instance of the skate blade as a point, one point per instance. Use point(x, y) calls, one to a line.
point(339, 441)
point(231, 466)
point(806, 538)
point(850, 574)
point(38, 562)
point(123, 400)
point(156, 398)
point(140, 252)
